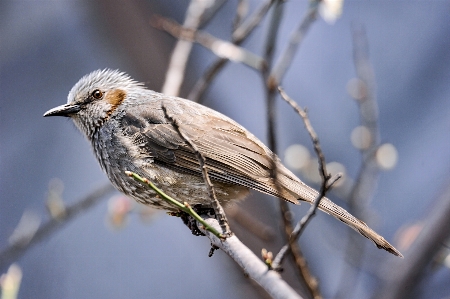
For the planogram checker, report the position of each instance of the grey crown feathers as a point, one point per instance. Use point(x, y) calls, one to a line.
point(129, 131)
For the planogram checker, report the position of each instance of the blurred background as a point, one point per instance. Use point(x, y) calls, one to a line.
point(47, 46)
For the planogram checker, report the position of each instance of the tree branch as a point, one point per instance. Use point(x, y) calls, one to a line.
point(219, 47)
point(327, 182)
point(25, 242)
point(303, 270)
point(244, 257)
point(285, 59)
point(181, 51)
point(252, 265)
point(239, 35)
point(365, 182)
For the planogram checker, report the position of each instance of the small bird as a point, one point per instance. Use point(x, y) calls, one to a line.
point(129, 129)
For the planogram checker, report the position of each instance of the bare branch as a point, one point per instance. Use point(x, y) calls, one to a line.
point(285, 59)
point(239, 35)
point(323, 189)
point(241, 11)
point(219, 47)
point(244, 30)
point(368, 111)
point(244, 257)
point(180, 54)
point(314, 138)
point(366, 179)
point(301, 264)
point(210, 12)
point(21, 245)
point(311, 282)
point(219, 212)
point(269, 50)
point(252, 265)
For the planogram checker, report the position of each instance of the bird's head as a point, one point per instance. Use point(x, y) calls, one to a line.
point(94, 98)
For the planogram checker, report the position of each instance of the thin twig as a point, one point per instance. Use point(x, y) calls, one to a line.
point(180, 54)
point(312, 134)
point(185, 207)
point(207, 77)
point(303, 271)
point(210, 12)
point(326, 182)
point(311, 282)
point(364, 186)
point(239, 35)
point(269, 50)
point(301, 225)
point(22, 244)
point(219, 212)
point(272, 81)
point(368, 111)
point(244, 30)
point(285, 59)
point(219, 47)
point(241, 11)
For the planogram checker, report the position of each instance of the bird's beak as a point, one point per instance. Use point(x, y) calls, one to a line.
point(63, 110)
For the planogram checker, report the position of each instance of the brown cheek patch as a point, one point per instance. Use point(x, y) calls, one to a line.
point(115, 98)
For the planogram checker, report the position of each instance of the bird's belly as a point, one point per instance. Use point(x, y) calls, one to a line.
point(183, 187)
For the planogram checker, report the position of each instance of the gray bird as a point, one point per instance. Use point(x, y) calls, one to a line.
point(129, 131)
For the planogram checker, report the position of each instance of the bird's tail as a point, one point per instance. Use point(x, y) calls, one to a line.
point(308, 194)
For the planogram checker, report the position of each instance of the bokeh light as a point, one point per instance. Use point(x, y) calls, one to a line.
point(361, 137)
point(296, 156)
point(387, 156)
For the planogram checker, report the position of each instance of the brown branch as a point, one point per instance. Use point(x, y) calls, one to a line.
point(241, 11)
point(368, 111)
point(219, 47)
point(22, 244)
point(327, 181)
point(312, 134)
point(303, 271)
point(182, 49)
point(365, 182)
point(311, 282)
point(239, 35)
point(285, 59)
point(219, 212)
point(269, 50)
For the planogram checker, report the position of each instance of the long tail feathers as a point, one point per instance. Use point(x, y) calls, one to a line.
point(331, 208)
point(308, 194)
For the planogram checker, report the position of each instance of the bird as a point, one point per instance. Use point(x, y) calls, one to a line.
point(131, 128)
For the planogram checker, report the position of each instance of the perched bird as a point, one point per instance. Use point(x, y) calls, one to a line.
point(129, 131)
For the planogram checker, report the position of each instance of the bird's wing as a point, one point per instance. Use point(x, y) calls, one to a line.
point(231, 153)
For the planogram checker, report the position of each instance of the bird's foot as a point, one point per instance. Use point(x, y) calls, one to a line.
point(190, 222)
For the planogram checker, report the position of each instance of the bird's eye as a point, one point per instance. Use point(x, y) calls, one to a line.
point(97, 94)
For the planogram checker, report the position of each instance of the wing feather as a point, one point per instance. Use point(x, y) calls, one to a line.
point(230, 155)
